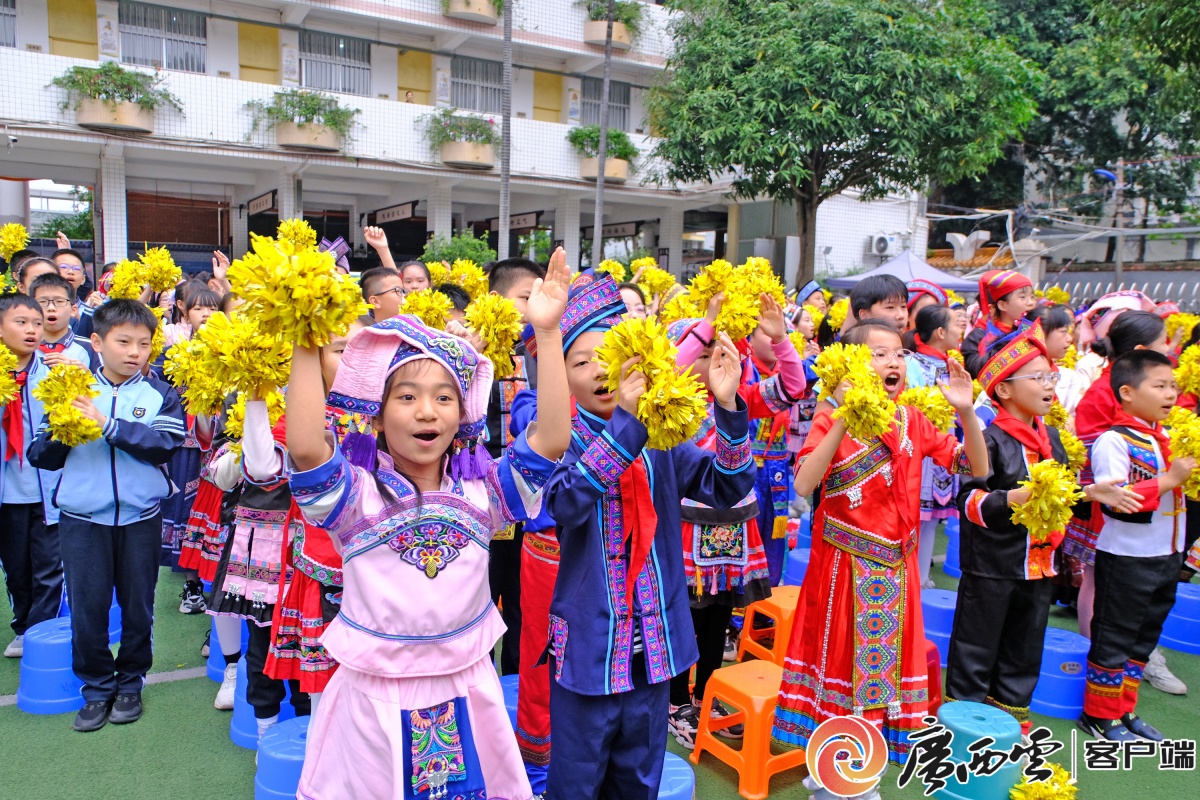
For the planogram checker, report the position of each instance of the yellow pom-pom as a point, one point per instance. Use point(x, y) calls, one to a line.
point(837, 314)
point(241, 356)
point(816, 315)
point(614, 268)
point(708, 282)
point(467, 275)
point(8, 384)
point(439, 273)
point(956, 355)
point(828, 296)
point(743, 290)
point(976, 390)
point(930, 401)
point(432, 308)
point(1053, 492)
point(1060, 786)
point(677, 308)
point(159, 339)
point(1058, 296)
point(1184, 427)
point(1077, 452)
point(834, 363)
point(1069, 359)
point(13, 238)
point(57, 390)
point(235, 420)
point(159, 269)
point(738, 316)
point(185, 366)
point(129, 278)
point(1187, 374)
point(866, 410)
point(654, 281)
point(799, 342)
point(674, 404)
point(298, 297)
point(953, 297)
point(1057, 418)
point(498, 322)
point(1181, 320)
point(297, 233)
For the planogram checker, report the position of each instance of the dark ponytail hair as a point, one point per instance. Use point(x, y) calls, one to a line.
point(1052, 317)
point(929, 319)
point(859, 333)
point(1128, 331)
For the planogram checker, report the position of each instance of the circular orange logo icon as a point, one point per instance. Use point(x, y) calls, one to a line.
point(846, 756)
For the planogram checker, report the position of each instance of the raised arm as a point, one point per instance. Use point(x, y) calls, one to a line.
point(551, 434)
point(379, 243)
point(306, 441)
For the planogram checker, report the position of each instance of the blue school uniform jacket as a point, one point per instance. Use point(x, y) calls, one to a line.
point(80, 349)
point(591, 632)
point(119, 478)
point(34, 483)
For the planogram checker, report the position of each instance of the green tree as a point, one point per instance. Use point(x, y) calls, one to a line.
point(799, 101)
point(77, 225)
point(462, 246)
point(1170, 26)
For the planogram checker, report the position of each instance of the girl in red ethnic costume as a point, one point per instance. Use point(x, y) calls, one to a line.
point(857, 640)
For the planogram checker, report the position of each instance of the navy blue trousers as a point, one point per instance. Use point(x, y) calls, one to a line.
point(99, 559)
point(29, 554)
point(614, 744)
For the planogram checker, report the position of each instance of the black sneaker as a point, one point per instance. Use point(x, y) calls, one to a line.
point(683, 722)
point(93, 716)
point(127, 708)
point(1111, 729)
point(192, 598)
point(1142, 728)
point(733, 731)
point(204, 648)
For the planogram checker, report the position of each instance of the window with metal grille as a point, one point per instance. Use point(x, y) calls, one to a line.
point(8, 23)
point(335, 63)
point(618, 103)
point(476, 85)
point(165, 38)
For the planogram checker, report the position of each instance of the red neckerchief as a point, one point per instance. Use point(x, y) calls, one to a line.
point(1035, 437)
point(639, 521)
point(53, 347)
point(932, 352)
point(14, 422)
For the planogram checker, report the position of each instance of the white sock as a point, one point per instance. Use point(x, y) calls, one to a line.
point(265, 724)
point(229, 634)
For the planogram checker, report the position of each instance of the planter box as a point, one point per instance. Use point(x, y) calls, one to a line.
point(594, 32)
point(473, 11)
point(307, 137)
point(126, 116)
point(468, 155)
point(616, 170)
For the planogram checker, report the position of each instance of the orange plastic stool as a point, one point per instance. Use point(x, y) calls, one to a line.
point(750, 691)
point(934, 662)
point(781, 608)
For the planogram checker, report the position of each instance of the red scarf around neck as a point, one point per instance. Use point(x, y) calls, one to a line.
point(932, 352)
point(1126, 420)
point(639, 521)
point(1035, 437)
point(14, 423)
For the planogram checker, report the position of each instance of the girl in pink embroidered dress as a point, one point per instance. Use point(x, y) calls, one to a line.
point(415, 709)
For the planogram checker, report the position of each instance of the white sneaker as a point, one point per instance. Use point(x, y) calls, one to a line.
point(16, 648)
point(1159, 676)
point(225, 694)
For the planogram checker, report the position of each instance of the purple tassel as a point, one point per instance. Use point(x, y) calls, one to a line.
point(470, 463)
point(360, 449)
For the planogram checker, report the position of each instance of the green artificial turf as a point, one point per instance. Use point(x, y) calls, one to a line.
point(181, 747)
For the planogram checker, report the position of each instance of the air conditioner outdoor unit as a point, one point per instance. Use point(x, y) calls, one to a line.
point(885, 245)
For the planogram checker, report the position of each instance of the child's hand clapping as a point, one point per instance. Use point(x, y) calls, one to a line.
point(85, 405)
point(725, 373)
point(548, 299)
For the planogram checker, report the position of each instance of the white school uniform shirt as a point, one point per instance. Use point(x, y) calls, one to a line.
point(1164, 534)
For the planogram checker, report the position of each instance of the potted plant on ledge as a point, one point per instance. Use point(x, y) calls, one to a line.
point(586, 141)
point(461, 140)
point(627, 22)
point(110, 97)
point(305, 120)
point(485, 11)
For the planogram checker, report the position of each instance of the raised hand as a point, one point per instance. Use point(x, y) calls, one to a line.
point(958, 390)
point(548, 300)
point(220, 265)
point(714, 307)
point(770, 319)
point(632, 386)
point(61, 240)
point(375, 237)
point(725, 372)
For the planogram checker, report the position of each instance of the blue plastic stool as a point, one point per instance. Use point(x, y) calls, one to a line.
point(970, 722)
point(804, 538)
point(937, 609)
point(950, 565)
point(216, 659)
point(48, 685)
point(1181, 630)
point(796, 566)
point(678, 779)
point(280, 760)
point(1063, 678)
point(509, 684)
point(243, 727)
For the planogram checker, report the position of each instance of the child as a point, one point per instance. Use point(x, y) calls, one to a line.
point(383, 289)
point(1058, 326)
point(31, 269)
point(56, 298)
point(811, 294)
point(634, 299)
point(29, 546)
point(416, 276)
point(459, 300)
point(936, 333)
point(857, 646)
point(110, 495)
point(1138, 555)
point(1004, 298)
point(1005, 592)
point(70, 268)
point(922, 293)
point(619, 621)
point(415, 704)
point(513, 278)
point(883, 297)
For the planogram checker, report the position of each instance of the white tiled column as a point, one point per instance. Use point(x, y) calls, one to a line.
point(566, 227)
point(440, 217)
point(286, 200)
point(670, 236)
point(113, 213)
point(356, 231)
point(239, 227)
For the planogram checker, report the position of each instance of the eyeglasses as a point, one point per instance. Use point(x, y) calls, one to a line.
point(71, 267)
point(55, 302)
point(1044, 378)
point(883, 354)
point(397, 290)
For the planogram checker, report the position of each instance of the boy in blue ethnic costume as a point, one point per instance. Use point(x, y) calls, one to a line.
point(620, 625)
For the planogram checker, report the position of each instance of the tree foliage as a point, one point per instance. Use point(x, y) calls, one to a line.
point(1170, 26)
point(799, 101)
